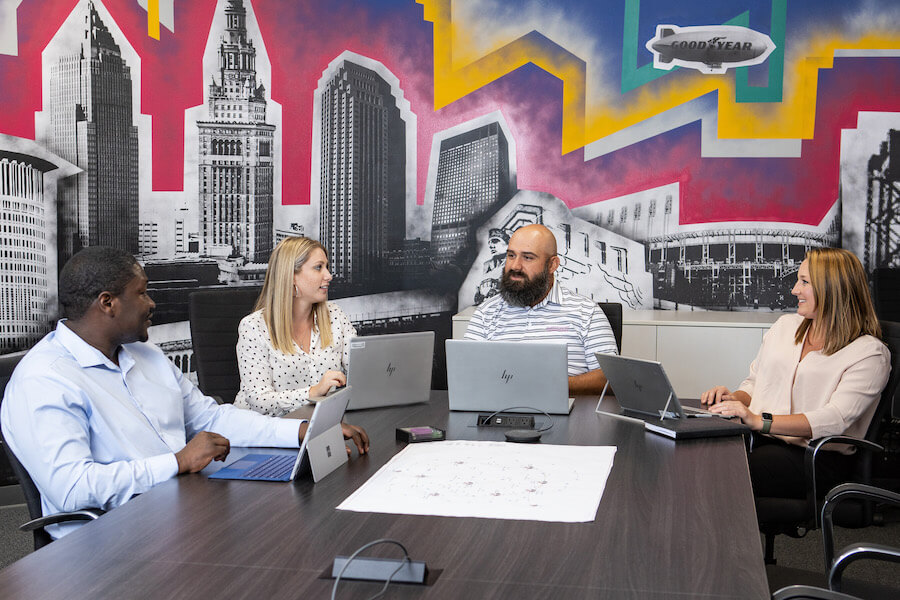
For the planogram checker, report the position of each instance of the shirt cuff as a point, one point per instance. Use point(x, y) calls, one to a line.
point(287, 432)
point(163, 467)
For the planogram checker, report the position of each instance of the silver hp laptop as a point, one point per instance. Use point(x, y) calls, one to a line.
point(321, 452)
point(644, 392)
point(390, 370)
point(490, 376)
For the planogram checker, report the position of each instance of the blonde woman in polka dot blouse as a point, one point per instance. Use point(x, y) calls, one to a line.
point(295, 345)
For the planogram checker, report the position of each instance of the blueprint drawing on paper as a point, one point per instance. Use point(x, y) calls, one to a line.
point(491, 480)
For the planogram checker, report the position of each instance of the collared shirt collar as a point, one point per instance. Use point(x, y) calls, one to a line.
point(85, 354)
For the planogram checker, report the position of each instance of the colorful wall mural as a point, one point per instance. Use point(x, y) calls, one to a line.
point(686, 155)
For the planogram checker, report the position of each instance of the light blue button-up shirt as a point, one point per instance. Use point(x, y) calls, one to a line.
point(93, 434)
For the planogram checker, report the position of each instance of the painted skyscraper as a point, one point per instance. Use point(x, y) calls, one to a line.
point(473, 179)
point(237, 166)
point(91, 126)
point(28, 188)
point(362, 194)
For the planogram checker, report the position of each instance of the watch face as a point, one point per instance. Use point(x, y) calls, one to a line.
point(767, 416)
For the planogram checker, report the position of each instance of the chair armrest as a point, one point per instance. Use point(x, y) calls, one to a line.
point(849, 491)
point(812, 454)
point(851, 554)
point(846, 439)
point(808, 592)
point(77, 515)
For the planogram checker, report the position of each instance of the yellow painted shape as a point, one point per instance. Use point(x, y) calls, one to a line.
point(451, 84)
point(794, 117)
point(585, 122)
point(153, 19)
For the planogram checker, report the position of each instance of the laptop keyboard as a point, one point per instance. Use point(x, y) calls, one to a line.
point(273, 467)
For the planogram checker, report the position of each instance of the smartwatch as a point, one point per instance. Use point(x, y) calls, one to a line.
point(767, 422)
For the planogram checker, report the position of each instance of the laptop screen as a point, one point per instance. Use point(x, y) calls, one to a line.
point(640, 386)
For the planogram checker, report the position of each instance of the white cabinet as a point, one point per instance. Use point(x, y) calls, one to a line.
point(699, 349)
point(697, 358)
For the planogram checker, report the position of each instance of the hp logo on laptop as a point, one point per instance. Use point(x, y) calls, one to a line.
point(390, 369)
point(506, 377)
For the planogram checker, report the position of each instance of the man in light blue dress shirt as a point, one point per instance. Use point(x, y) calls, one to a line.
point(532, 306)
point(96, 414)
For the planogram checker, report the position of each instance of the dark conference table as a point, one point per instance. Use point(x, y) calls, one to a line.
point(675, 521)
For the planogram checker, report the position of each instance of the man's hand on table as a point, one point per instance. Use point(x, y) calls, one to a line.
point(203, 448)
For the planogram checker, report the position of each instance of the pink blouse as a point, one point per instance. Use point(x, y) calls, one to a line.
point(837, 393)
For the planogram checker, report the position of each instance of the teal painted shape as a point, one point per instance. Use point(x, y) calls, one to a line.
point(774, 91)
point(632, 75)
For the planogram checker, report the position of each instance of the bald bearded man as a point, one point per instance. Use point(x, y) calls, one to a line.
point(532, 306)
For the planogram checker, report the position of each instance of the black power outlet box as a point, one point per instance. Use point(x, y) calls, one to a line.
point(506, 421)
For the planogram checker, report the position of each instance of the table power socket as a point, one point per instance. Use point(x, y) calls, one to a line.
point(487, 420)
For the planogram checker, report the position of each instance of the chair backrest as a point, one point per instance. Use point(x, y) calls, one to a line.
point(8, 364)
point(31, 493)
point(888, 405)
point(214, 317)
point(886, 293)
point(613, 312)
point(861, 513)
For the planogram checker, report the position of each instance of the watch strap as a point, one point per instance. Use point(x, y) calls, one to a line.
point(767, 422)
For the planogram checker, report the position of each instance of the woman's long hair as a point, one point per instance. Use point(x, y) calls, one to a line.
point(277, 295)
point(843, 304)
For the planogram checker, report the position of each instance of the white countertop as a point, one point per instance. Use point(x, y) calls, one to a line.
point(701, 318)
point(682, 318)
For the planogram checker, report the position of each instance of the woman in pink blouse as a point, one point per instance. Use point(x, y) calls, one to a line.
point(295, 346)
point(818, 372)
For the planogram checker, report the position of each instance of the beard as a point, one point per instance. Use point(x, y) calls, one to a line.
point(527, 292)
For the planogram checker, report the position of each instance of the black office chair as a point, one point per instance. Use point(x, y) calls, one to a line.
point(33, 500)
point(8, 363)
point(795, 517)
point(886, 293)
point(613, 312)
point(830, 584)
point(214, 316)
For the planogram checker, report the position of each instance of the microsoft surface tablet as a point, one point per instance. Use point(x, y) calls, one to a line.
point(392, 369)
point(321, 452)
point(489, 376)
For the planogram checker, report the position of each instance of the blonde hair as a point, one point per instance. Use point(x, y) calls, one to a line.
point(277, 296)
point(843, 304)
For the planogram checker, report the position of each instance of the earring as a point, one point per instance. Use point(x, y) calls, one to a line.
point(296, 291)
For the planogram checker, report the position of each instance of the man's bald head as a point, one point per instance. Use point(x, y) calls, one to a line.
point(537, 238)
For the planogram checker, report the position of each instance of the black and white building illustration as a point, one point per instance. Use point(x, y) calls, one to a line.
point(595, 262)
point(870, 196)
point(363, 148)
point(90, 124)
point(236, 160)
point(29, 177)
point(882, 243)
point(474, 175)
point(734, 265)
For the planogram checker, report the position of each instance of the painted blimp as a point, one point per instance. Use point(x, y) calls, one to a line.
point(709, 48)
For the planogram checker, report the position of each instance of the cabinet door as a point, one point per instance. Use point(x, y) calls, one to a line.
point(697, 358)
point(639, 341)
